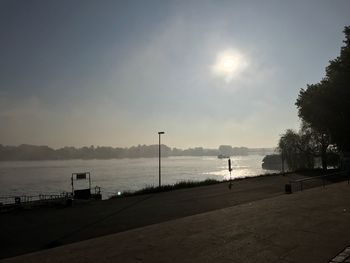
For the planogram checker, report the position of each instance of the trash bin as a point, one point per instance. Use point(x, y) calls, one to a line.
point(288, 188)
point(17, 200)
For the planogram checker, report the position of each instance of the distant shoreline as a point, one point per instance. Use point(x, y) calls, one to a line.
point(121, 158)
point(27, 152)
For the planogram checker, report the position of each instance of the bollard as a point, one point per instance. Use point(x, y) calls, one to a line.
point(17, 200)
point(288, 188)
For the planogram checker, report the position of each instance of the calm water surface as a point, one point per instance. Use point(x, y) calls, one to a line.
point(42, 177)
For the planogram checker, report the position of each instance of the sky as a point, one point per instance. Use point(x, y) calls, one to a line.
point(114, 73)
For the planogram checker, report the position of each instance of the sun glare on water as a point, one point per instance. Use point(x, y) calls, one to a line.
point(229, 64)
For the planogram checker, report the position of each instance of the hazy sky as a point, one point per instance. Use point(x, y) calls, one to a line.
point(117, 72)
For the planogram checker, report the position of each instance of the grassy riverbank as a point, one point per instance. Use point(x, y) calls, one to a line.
point(190, 184)
point(181, 185)
point(166, 188)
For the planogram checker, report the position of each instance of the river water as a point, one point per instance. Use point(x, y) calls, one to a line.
point(49, 177)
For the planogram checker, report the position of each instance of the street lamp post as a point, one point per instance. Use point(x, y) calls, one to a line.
point(159, 133)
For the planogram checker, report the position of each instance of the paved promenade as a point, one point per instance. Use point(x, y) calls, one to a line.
point(309, 226)
point(53, 227)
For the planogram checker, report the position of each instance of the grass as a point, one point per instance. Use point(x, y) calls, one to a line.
point(166, 188)
point(180, 185)
point(190, 184)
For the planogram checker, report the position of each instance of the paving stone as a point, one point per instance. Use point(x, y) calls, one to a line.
point(343, 256)
point(339, 259)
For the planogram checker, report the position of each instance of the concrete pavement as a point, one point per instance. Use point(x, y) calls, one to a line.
point(309, 226)
point(59, 226)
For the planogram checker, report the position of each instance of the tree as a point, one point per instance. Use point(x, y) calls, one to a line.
point(314, 143)
point(325, 106)
point(289, 147)
point(299, 149)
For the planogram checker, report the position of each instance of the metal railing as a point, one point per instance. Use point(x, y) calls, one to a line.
point(33, 199)
point(314, 181)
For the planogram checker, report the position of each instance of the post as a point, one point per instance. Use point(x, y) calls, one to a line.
point(159, 151)
point(230, 169)
point(89, 182)
point(72, 184)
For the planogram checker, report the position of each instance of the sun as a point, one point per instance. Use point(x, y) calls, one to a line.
point(229, 64)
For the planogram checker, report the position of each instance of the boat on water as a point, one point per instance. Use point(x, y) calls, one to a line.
point(223, 156)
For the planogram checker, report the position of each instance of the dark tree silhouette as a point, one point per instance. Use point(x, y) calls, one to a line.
point(299, 149)
point(326, 105)
point(294, 149)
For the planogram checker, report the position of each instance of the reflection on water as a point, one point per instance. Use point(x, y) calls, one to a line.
point(40, 177)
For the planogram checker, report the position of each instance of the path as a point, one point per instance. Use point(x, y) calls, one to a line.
point(309, 226)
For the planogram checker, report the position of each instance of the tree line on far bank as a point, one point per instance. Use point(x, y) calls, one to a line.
point(32, 152)
point(324, 110)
